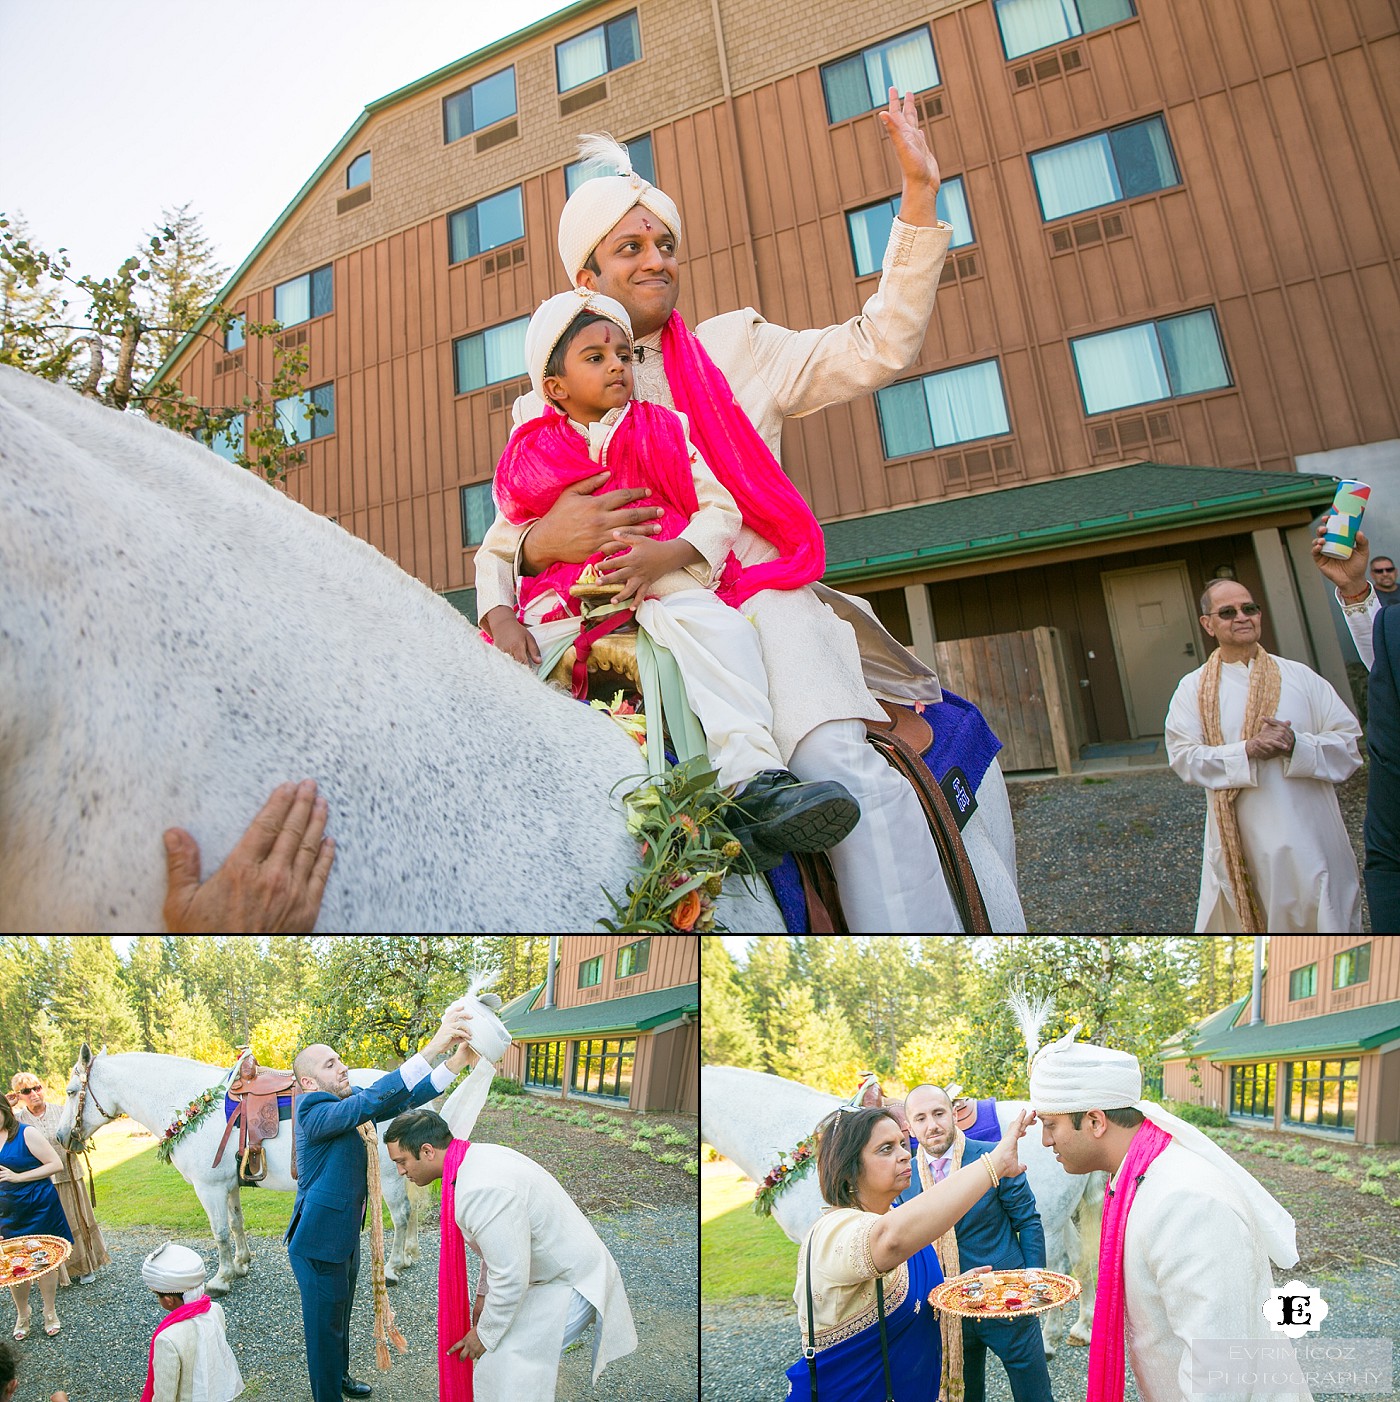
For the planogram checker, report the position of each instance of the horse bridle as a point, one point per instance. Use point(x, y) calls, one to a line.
point(84, 1090)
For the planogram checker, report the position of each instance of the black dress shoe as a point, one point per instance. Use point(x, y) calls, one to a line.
point(353, 1387)
point(778, 813)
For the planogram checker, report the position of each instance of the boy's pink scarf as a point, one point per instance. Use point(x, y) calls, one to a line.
point(454, 1297)
point(771, 506)
point(1107, 1355)
point(188, 1311)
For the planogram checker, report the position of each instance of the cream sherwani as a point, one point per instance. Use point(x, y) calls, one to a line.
point(537, 1249)
point(825, 652)
point(193, 1362)
point(1295, 844)
point(1192, 1270)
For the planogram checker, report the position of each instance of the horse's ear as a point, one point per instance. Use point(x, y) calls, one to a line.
point(84, 1054)
point(103, 1050)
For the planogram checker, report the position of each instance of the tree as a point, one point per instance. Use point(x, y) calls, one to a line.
point(277, 1039)
point(97, 346)
point(188, 1027)
point(89, 999)
point(766, 978)
point(727, 1037)
point(813, 1046)
point(185, 278)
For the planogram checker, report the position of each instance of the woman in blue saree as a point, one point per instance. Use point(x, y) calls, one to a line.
point(863, 1164)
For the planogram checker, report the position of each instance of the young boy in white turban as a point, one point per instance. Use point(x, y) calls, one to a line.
point(189, 1357)
point(578, 350)
point(1187, 1233)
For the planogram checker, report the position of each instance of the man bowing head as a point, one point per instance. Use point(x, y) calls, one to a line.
point(545, 1274)
point(1187, 1233)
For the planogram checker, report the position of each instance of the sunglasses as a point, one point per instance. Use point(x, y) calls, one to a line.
point(1229, 611)
point(29, 1090)
point(1382, 569)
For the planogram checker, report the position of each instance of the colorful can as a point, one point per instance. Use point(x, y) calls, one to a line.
point(1345, 520)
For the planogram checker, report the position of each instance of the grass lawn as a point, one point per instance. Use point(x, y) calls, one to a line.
point(740, 1252)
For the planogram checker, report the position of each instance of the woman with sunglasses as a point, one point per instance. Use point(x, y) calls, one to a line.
point(29, 1206)
point(89, 1250)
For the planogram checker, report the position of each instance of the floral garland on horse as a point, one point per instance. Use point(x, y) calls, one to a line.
point(187, 1119)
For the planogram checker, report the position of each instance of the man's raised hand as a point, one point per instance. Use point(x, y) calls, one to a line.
point(918, 202)
point(1348, 575)
point(1004, 1157)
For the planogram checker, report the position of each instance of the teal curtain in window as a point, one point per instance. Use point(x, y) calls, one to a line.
point(291, 301)
point(1095, 14)
point(499, 220)
point(904, 424)
point(493, 99)
point(582, 58)
point(457, 115)
point(323, 397)
point(1077, 176)
point(870, 235)
point(847, 89)
point(952, 209)
point(505, 350)
point(1120, 367)
point(966, 403)
point(1142, 157)
point(905, 63)
point(471, 363)
point(478, 510)
point(291, 418)
point(1035, 24)
point(1191, 349)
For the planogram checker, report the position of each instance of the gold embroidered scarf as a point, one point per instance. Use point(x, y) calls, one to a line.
point(946, 1246)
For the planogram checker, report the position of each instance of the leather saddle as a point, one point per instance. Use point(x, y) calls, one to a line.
point(257, 1115)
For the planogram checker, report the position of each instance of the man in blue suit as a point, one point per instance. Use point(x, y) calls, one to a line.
point(323, 1239)
point(1002, 1231)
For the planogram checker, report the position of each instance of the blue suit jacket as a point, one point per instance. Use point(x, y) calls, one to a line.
point(1003, 1230)
point(329, 1212)
point(1383, 789)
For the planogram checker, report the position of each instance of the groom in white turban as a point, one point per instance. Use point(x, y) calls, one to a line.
point(738, 378)
point(189, 1358)
point(1187, 1233)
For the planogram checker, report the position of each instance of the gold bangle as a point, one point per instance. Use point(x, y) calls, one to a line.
point(987, 1160)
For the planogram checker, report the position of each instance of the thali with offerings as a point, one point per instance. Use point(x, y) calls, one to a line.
point(25, 1258)
point(1004, 1294)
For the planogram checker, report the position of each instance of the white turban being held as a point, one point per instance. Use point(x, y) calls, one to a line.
point(1069, 1077)
point(600, 202)
point(174, 1270)
point(551, 320)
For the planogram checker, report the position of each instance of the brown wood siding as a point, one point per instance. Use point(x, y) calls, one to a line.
point(1283, 120)
point(1289, 952)
point(1178, 1085)
point(673, 961)
point(1378, 1113)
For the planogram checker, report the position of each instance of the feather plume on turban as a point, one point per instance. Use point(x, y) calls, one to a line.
point(601, 201)
point(1068, 1077)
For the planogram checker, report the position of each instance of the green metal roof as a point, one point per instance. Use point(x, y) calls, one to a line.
point(1357, 1030)
point(638, 1013)
point(521, 1003)
point(1074, 510)
point(409, 90)
point(1206, 1029)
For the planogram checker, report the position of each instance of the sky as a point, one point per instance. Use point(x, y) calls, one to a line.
point(112, 110)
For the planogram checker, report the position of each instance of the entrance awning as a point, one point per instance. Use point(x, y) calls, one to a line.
point(1077, 510)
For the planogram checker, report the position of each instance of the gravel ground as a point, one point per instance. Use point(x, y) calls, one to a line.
point(1121, 853)
point(745, 1345)
point(101, 1354)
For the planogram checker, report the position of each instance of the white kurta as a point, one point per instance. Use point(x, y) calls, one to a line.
point(536, 1249)
point(1295, 844)
point(1192, 1270)
point(193, 1362)
point(825, 652)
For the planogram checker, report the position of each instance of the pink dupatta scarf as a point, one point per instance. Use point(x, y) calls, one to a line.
point(180, 1312)
point(1107, 1351)
point(454, 1297)
point(738, 456)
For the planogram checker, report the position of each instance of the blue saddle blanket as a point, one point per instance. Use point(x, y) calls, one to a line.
point(284, 1107)
point(961, 738)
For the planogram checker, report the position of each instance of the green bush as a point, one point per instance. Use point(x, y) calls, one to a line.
point(674, 1136)
point(640, 1146)
point(1374, 1169)
point(1322, 1153)
point(1297, 1154)
point(1370, 1188)
point(1271, 1151)
point(604, 1128)
point(669, 1157)
point(1201, 1115)
point(693, 1168)
point(1325, 1166)
point(504, 1085)
point(580, 1117)
point(1344, 1175)
point(619, 1134)
point(647, 1131)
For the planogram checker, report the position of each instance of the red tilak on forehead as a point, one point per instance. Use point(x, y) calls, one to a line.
point(607, 335)
point(646, 224)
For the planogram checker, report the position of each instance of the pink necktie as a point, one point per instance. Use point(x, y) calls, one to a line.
point(940, 1170)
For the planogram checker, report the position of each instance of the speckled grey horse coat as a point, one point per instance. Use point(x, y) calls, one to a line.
point(177, 638)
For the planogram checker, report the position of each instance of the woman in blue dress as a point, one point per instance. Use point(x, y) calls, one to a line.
point(29, 1206)
point(863, 1164)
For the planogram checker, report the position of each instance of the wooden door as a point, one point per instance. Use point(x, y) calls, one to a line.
point(1155, 636)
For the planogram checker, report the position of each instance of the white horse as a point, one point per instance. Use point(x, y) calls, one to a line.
point(177, 638)
point(154, 1089)
point(751, 1118)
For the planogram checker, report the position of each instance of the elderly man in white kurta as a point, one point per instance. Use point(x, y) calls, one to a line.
point(1269, 739)
point(1187, 1233)
point(826, 656)
point(545, 1273)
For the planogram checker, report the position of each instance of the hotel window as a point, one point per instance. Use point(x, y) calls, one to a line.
point(234, 337)
point(544, 1064)
point(1027, 25)
point(1102, 169)
point(1252, 1089)
point(936, 411)
point(863, 81)
point(304, 297)
point(358, 173)
point(604, 1067)
point(1351, 966)
point(228, 441)
point(638, 152)
point(483, 104)
point(1164, 359)
point(490, 356)
point(869, 226)
point(1302, 983)
point(487, 224)
point(632, 958)
point(478, 511)
point(599, 50)
point(1322, 1093)
point(308, 415)
point(590, 972)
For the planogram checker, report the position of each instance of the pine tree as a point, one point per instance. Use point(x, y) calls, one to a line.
point(727, 1037)
point(185, 278)
point(33, 311)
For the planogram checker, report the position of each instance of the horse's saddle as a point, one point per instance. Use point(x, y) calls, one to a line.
point(255, 1092)
point(612, 663)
